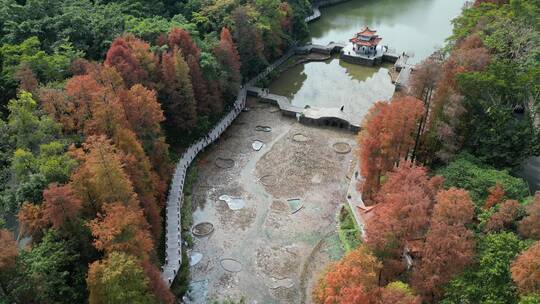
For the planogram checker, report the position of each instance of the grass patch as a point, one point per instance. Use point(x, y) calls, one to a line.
point(348, 231)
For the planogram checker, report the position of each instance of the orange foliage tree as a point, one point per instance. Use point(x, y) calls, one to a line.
point(387, 136)
point(402, 214)
point(443, 140)
point(177, 95)
point(348, 280)
point(60, 204)
point(8, 250)
point(101, 177)
point(31, 221)
point(504, 217)
point(395, 293)
point(227, 55)
point(448, 242)
point(496, 195)
point(529, 226)
point(122, 228)
point(133, 59)
point(526, 270)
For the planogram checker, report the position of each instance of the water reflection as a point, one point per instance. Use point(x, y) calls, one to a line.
point(334, 83)
point(417, 26)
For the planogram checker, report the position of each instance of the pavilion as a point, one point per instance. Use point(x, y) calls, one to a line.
point(363, 49)
point(365, 42)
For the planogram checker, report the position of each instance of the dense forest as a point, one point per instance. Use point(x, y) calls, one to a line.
point(449, 221)
point(98, 98)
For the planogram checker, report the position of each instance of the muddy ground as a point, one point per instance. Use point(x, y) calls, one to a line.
point(272, 255)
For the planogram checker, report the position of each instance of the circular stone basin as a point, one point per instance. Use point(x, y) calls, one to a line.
point(341, 148)
point(230, 265)
point(202, 229)
point(263, 128)
point(236, 204)
point(280, 283)
point(257, 145)
point(224, 163)
point(299, 137)
point(269, 180)
point(225, 198)
point(195, 258)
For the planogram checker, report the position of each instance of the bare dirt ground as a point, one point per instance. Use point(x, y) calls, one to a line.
point(279, 253)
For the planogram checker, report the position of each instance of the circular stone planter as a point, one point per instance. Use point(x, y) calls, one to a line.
point(202, 229)
point(230, 265)
point(341, 147)
point(269, 180)
point(299, 137)
point(263, 129)
point(224, 163)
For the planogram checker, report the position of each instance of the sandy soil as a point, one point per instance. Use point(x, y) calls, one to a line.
point(279, 253)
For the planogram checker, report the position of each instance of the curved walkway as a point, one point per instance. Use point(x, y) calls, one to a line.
point(173, 238)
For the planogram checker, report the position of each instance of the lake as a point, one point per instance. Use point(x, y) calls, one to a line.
point(418, 27)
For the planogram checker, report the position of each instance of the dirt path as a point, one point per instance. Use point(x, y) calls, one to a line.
point(273, 254)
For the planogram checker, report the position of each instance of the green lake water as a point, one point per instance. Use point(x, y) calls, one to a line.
point(418, 27)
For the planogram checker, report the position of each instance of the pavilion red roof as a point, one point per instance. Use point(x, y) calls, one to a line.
point(372, 42)
point(366, 32)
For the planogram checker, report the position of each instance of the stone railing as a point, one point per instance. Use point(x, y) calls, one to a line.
point(173, 238)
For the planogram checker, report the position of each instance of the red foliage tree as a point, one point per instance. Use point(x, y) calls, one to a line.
point(227, 55)
point(454, 207)
point(393, 294)
point(445, 245)
point(181, 39)
point(60, 204)
point(158, 287)
point(26, 78)
point(348, 280)
point(387, 136)
point(121, 57)
point(138, 168)
point(504, 217)
point(8, 250)
point(57, 104)
point(31, 221)
point(178, 97)
point(529, 226)
point(101, 177)
point(443, 140)
point(448, 242)
point(405, 202)
point(526, 270)
point(122, 228)
point(496, 195)
point(200, 87)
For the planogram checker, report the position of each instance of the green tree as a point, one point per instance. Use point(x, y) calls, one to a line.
point(118, 279)
point(56, 276)
point(489, 281)
point(469, 173)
